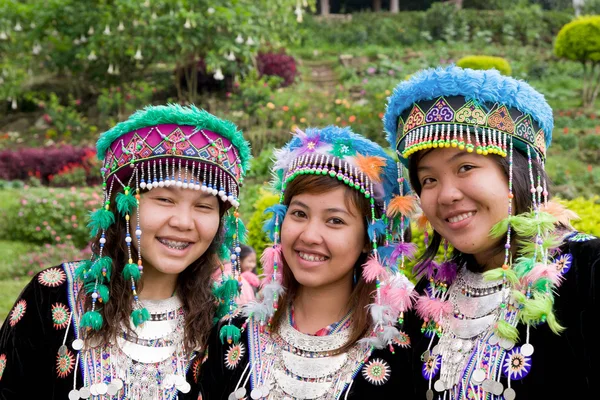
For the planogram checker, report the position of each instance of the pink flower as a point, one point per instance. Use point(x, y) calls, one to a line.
point(57, 238)
point(37, 228)
point(68, 237)
point(23, 201)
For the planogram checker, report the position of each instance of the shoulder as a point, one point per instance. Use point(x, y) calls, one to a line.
point(579, 250)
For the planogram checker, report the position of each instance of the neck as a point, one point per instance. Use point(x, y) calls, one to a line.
point(490, 260)
point(157, 286)
point(318, 307)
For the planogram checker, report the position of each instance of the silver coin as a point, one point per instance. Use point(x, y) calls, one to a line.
point(478, 377)
point(506, 343)
point(493, 340)
point(179, 380)
point(527, 349)
point(265, 390)
point(74, 394)
point(112, 389)
point(456, 344)
point(240, 393)
point(232, 396)
point(77, 344)
point(256, 394)
point(439, 385)
point(488, 385)
point(101, 388)
point(118, 383)
point(185, 387)
point(467, 346)
point(498, 388)
point(429, 394)
point(62, 350)
point(437, 349)
point(84, 392)
point(94, 390)
point(509, 394)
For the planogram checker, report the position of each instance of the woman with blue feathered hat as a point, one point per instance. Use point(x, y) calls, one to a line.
point(508, 309)
point(132, 321)
point(328, 320)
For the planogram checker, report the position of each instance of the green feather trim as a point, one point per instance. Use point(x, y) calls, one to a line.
point(82, 269)
point(102, 290)
point(527, 225)
point(507, 331)
point(500, 273)
point(101, 219)
point(228, 290)
point(523, 265)
point(542, 285)
point(518, 297)
point(180, 115)
point(92, 320)
point(100, 264)
point(221, 311)
point(231, 333)
point(553, 324)
point(126, 203)
point(131, 271)
point(536, 309)
point(224, 252)
point(527, 247)
point(140, 316)
point(242, 231)
point(500, 228)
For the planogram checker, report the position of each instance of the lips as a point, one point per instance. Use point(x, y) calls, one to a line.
point(460, 217)
point(311, 256)
point(174, 244)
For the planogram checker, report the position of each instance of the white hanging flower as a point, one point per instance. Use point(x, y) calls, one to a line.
point(91, 31)
point(250, 41)
point(121, 27)
point(147, 3)
point(304, 3)
point(230, 56)
point(18, 27)
point(3, 35)
point(14, 104)
point(187, 24)
point(239, 39)
point(219, 75)
point(110, 70)
point(36, 49)
point(298, 13)
point(82, 38)
point(154, 16)
point(116, 71)
point(92, 56)
point(32, 25)
point(76, 41)
point(138, 54)
point(107, 30)
point(211, 10)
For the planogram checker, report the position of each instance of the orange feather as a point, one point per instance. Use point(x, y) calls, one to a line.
point(422, 222)
point(371, 166)
point(562, 214)
point(403, 205)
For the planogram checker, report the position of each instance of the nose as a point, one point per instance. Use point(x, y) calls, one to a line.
point(182, 218)
point(311, 234)
point(449, 193)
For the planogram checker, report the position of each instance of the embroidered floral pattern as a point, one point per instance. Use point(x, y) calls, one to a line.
point(431, 366)
point(60, 315)
point(2, 365)
point(581, 237)
point(234, 355)
point(563, 263)
point(52, 277)
point(402, 340)
point(64, 364)
point(516, 364)
point(17, 312)
point(196, 369)
point(376, 372)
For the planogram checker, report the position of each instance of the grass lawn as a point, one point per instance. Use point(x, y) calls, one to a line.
point(9, 291)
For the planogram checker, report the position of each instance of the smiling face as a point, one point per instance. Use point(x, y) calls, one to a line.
point(322, 237)
point(463, 195)
point(177, 225)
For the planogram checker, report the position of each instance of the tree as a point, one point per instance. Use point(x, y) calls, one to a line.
point(579, 40)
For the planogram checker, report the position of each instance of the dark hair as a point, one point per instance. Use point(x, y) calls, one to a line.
point(246, 251)
point(193, 287)
point(522, 200)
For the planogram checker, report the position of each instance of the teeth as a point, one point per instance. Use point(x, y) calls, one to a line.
point(310, 257)
point(174, 244)
point(460, 217)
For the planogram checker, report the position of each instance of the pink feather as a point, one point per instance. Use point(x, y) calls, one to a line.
point(372, 270)
point(432, 308)
point(540, 270)
point(269, 277)
point(269, 257)
point(400, 298)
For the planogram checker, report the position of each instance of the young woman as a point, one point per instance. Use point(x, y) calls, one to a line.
point(327, 324)
point(128, 323)
point(510, 312)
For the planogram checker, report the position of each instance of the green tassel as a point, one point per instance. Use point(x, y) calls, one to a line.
point(528, 247)
point(131, 271)
point(538, 309)
point(553, 324)
point(92, 320)
point(500, 228)
point(507, 331)
point(527, 225)
point(523, 265)
point(224, 252)
point(140, 316)
point(101, 219)
point(96, 271)
point(231, 333)
point(221, 311)
point(242, 231)
point(518, 297)
point(501, 273)
point(82, 269)
point(102, 290)
point(126, 203)
point(228, 290)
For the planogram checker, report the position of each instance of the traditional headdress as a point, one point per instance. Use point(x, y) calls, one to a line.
point(363, 166)
point(163, 146)
point(485, 112)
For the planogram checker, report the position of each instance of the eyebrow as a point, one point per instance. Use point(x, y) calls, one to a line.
point(328, 210)
point(458, 155)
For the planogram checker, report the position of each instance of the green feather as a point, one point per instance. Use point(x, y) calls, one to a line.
point(126, 203)
point(507, 331)
point(82, 269)
point(523, 265)
point(102, 290)
point(500, 273)
point(228, 290)
point(553, 324)
point(500, 228)
point(527, 224)
point(100, 264)
point(542, 285)
point(92, 320)
point(224, 252)
point(231, 333)
point(528, 247)
point(242, 231)
point(140, 316)
point(222, 310)
point(101, 219)
point(131, 271)
point(518, 297)
point(536, 309)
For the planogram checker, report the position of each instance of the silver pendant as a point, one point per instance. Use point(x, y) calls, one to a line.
point(493, 340)
point(84, 392)
point(74, 394)
point(527, 349)
point(509, 394)
point(240, 393)
point(77, 344)
point(101, 388)
point(94, 390)
point(439, 385)
point(185, 387)
point(498, 388)
point(256, 394)
point(62, 350)
point(429, 394)
point(506, 343)
point(478, 377)
point(232, 396)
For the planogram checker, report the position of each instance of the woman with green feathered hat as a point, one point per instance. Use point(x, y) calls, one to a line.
point(509, 309)
point(132, 321)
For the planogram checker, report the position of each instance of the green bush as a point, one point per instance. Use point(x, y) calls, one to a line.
point(567, 142)
point(50, 216)
point(485, 62)
point(589, 214)
point(256, 237)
